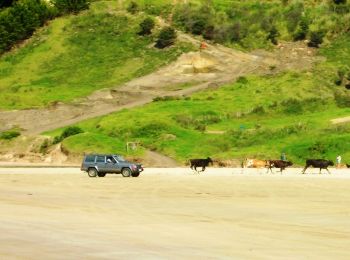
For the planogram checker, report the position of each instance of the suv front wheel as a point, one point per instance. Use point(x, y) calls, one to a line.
point(126, 172)
point(92, 172)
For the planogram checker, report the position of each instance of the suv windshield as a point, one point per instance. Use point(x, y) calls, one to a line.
point(119, 158)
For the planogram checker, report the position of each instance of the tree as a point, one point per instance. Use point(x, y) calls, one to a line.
point(133, 7)
point(146, 26)
point(71, 6)
point(167, 37)
point(20, 20)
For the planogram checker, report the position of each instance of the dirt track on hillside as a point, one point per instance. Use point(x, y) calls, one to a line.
point(173, 214)
point(192, 72)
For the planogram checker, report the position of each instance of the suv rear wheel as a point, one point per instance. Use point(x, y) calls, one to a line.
point(126, 172)
point(92, 172)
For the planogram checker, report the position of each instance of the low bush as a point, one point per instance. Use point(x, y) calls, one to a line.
point(10, 134)
point(44, 146)
point(292, 106)
point(146, 26)
point(342, 99)
point(133, 7)
point(71, 6)
point(69, 131)
point(316, 39)
point(166, 98)
point(167, 37)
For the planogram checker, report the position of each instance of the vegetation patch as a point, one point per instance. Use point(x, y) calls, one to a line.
point(10, 134)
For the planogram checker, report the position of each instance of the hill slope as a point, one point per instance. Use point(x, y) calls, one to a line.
point(76, 55)
point(285, 100)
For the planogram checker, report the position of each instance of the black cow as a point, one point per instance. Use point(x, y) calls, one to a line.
point(280, 164)
point(200, 163)
point(318, 163)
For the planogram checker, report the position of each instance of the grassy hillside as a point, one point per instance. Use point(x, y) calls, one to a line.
point(256, 116)
point(75, 55)
point(255, 24)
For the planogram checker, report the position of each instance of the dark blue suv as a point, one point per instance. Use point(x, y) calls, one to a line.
point(101, 164)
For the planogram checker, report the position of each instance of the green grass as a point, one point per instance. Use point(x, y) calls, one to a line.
point(76, 55)
point(261, 117)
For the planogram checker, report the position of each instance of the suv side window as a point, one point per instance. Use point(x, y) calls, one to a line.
point(100, 159)
point(90, 158)
point(110, 159)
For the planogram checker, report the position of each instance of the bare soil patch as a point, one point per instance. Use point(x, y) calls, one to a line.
point(341, 120)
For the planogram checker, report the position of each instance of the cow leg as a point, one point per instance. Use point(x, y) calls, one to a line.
point(303, 171)
point(320, 171)
point(203, 168)
point(328, 171)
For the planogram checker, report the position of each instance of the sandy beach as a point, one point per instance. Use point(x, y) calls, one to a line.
point(61, 213)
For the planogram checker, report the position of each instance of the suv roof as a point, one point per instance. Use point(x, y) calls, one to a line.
point(105, 154)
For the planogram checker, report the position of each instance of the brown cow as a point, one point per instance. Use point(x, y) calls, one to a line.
point(254, 163)
point(282, 165)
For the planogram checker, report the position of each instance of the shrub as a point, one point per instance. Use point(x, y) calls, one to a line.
point(44, 146)
point(302, 31)
point(200, 127)
point(236, 31)
point(167, 37)
point(242, 80)
point(259, 110)
point(133, 7)
point(316, 38)
point(146, 26)
point(337, 2)
point(166, 98)
point(209, 32)
point(10, 134)
point(292, 106)
point(342, 99)
point(6, 3)
point(273, 34)
point(71, 6)
point(184, 120)
point(72, 130)
point(293, 15)
point(69, 131)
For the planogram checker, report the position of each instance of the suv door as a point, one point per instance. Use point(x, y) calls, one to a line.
point(112, 165)
point(101, 163)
